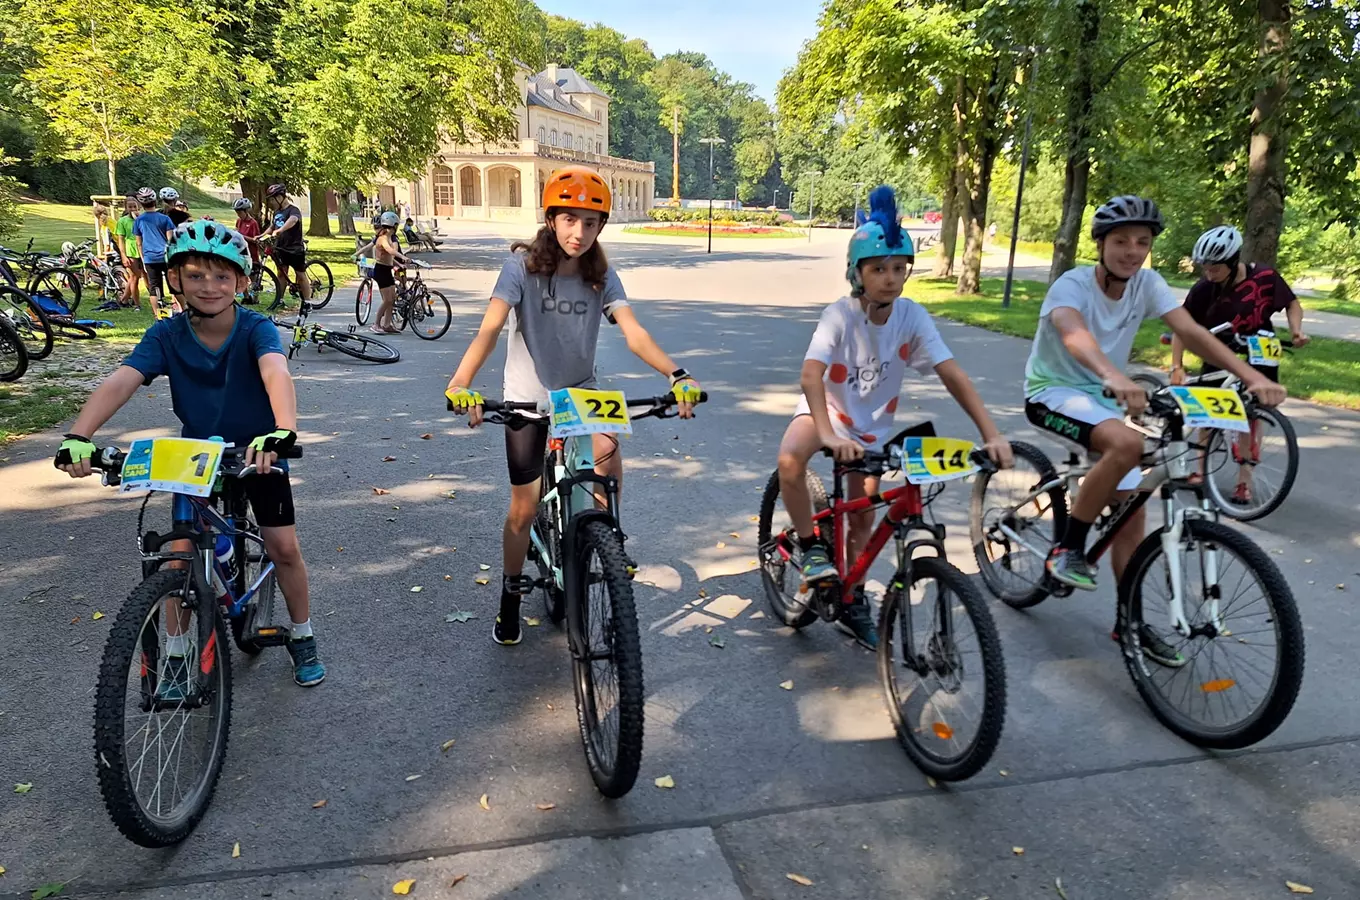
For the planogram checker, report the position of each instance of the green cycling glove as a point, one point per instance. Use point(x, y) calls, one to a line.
point(463, 399)
point(275, 441)
point(74, 449)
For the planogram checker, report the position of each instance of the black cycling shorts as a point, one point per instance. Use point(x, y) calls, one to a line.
point(155, 277)
point(271, 499)
point(525, 443)
point(292, 259)
point(382, 276)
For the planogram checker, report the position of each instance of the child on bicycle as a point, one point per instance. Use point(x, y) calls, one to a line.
point(852, 375)
point(228, 378)
point(554, 291)
point(1087, 326)
point(386, 253)
point(1244, 296)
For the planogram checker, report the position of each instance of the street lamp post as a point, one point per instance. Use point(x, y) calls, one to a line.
point(859, 186)
point(1020, 185)
point(711, 141)
point(812, 193)
point(775, 202)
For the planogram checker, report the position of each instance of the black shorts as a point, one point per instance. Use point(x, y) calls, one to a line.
point(271, 499)
point(1271, 372)
point(293, 259)
point(382, 276)
point(525, 442)
point(155, 277)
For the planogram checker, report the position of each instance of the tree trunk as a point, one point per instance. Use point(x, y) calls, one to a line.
point(1081, 92)
point(347, 214)
point(320, 225)
point(979, 126)
point(253, 190)
point(113, 177)
point(949, 225)
point(1265, 166)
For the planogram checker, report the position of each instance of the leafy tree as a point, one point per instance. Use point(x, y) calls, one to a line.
point(10, 215)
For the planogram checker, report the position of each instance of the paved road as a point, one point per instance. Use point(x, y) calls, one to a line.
point(768, 781)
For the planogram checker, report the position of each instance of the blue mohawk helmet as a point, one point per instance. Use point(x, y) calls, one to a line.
point(880, 236)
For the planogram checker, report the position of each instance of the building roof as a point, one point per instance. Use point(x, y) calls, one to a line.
point(545, 93)
point(571, 82)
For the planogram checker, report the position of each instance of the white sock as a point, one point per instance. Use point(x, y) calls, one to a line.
point(177, 645)
point(301, 631)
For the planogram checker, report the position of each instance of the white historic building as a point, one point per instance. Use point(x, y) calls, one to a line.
point(562, 119)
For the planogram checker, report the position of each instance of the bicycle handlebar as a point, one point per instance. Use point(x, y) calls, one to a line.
point(110, 461)
point(505, 410)
point(876, 462)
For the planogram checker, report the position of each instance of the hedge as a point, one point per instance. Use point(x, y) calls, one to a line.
point(743, 216)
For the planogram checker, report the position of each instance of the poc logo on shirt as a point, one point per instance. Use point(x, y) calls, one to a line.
point(565, 307)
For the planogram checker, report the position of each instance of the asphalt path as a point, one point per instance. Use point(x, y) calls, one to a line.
point(768, 781)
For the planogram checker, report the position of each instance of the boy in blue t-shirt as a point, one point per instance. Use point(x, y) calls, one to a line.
point(229, 378)
point(153, 229)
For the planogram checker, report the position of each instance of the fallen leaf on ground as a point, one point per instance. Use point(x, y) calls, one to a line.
point(75, 620)
point(722, 545)
point(1018, 851)
point(931, 782)
point(47, 890)
point(320, 804)
point(444, 747)
point(2, 870)
point(97, 615)
point(665, 781)
point(544, 807)
point(531, 620)
point(484, 567)
point(735, 535)
point(23, 787)
point(339, 549)
point(482, 580)
point(703, 594)
point(381, 492)
point(389, 459)
point(484, 803)
point(1057, 883)
point(460, 617)
point(757, 615)
point(1004, 773)
point(448, 578)
point(755, 518)
point(799, 879)
point(417, 589)
point(1297, 888)
point(787, 685)
point(412, 777)
point(458, 879)
point(236, 850)
point(716, 641)
point(404, 886)
point(426, 437)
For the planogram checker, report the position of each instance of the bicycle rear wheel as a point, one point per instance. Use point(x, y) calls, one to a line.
point(1002, 521)
point(29, 321)
point(322, 282)
point(363, 301)
point(606, 658)
point(61, 284)
point(159, 744)
point(781, 556)
point(430, 316)
point(1243, 668)
point(939, 660)
point(267, 295)
point(1269, 455)
point(13, 354)
point(65, 328)
point(362, 347)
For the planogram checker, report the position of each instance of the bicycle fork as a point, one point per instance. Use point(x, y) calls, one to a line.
point(1174, 551)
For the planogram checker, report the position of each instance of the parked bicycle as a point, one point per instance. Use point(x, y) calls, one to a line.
point(13, 353)
point(939, 656)
point(105, 276)
point(163, 696)
point(359, 346)
point(36, 272)
point(1205, 591)
point(427, 311)
point(577, 544)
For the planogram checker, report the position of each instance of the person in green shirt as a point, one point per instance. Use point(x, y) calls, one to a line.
point(132, 256)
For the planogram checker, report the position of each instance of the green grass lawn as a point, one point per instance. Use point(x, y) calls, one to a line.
point(1331, 305)
point(1326, 371)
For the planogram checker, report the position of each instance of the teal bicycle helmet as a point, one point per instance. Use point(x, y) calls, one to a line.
point(211, 239)
point(881, 235)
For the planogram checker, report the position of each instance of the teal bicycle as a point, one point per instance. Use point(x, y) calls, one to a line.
point(584, 573)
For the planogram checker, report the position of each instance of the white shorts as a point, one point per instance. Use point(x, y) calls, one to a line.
point(1072, 414)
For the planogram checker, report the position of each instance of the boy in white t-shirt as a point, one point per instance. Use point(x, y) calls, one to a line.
point(852, 375)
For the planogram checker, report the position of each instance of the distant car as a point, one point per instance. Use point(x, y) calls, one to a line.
point(934, 217)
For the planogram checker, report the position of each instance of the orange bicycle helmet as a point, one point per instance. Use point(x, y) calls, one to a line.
point(577, 187)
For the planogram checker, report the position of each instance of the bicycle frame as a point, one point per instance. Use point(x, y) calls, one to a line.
point(572, 497)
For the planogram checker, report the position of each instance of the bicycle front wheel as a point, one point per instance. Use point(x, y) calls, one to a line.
point(13, 354)
point(64, 327)
point(361, 347)
point(939, 660)
point(61, 284)
point(323, 284)
point(268, 294)
point(1234, 680)
point(1013, 528)
point(29, 321)
point(1249, 475)
point(606, 658)
point(430, 316)
point(159, 740)
point(363, 302)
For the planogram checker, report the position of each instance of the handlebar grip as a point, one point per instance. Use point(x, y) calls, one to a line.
point(982, 461)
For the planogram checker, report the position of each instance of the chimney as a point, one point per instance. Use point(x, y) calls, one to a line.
point(552, 73)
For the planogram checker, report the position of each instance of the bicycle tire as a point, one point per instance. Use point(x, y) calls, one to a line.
point(424, 320)
point(268, 294)
point(123, 646)
point(74, 331)
point(1283, 616)
point(260, 610)
point(1014, 596)
point(13, 353)
point(977, 752)
point(60, 281)
point(363, 301)
point(598, 540)
point(1291, 470)
point(774, 570)
point(322, 281)
point(29, 321)
point(361, 347)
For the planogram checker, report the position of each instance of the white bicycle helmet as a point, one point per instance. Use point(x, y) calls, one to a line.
point(1217, 245)
point(389, 219)
point(169, 193)
point(68, 248)
point(146, 195)
point(1126, 210)
point(242, 203)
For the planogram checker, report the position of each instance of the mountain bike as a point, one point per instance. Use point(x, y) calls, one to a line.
point(1201, 587)
point(28, 319)
point(162, 710)
point(359, 346)
point(427, 312)
point(939, 656)
point(577, 544)
point(13, 353)
point(264, 288)
point(107, 278)
point(317, 272)
point(1265, 461)
point(45, 273)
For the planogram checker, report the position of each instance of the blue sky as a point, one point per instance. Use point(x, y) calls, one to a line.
point(752, 40)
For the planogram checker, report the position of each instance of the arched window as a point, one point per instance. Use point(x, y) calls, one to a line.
point(542, 135)
point(566, 140)
point(552, 137)
point(599, 148)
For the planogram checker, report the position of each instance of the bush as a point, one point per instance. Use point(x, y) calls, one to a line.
point(10, 215)
point(744, 216)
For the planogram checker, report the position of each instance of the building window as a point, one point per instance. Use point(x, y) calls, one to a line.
point(552, 138)
point(542, 135)
point(599, 148)
point(566, 140)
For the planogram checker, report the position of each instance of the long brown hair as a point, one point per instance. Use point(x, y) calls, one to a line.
point(544, 254)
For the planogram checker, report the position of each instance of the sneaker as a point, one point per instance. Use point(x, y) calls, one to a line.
point(1241, 495)
point(307, 667)
point(1071, 568)
point(1154, 647)
point(858, 621)
point(817, 565)
point(506, 631)
point(173, 686)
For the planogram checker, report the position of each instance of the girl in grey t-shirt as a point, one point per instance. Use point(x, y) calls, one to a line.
point(554, 291)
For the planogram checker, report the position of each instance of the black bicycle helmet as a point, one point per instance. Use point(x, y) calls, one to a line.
point(1126, 210)
point(276, 190)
